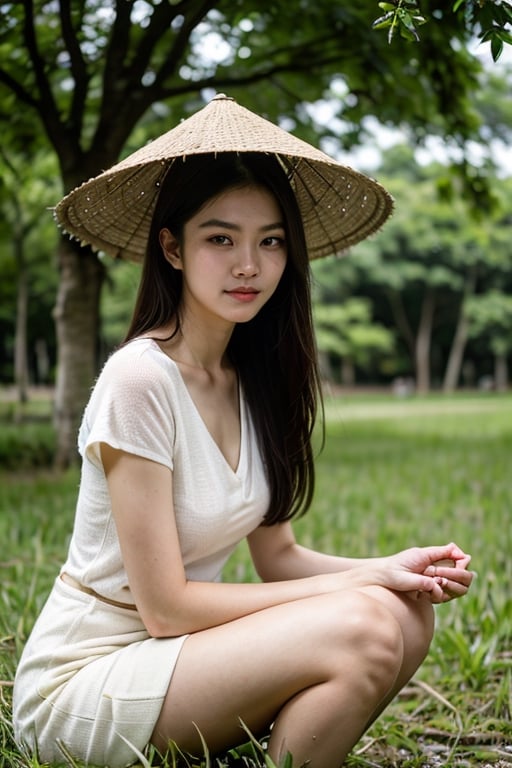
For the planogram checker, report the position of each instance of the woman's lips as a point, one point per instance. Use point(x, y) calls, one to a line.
point(243, 294)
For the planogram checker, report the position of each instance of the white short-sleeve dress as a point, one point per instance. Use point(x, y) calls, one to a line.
point(90, 677)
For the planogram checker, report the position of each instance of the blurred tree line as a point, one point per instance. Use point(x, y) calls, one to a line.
point(428, 301)
point(84, 83)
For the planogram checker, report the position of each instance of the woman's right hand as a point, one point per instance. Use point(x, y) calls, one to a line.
point(438, 573)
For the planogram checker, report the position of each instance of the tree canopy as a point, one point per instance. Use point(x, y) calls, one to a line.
point(91, 70)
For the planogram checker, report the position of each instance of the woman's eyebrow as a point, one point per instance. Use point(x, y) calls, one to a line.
point(231, 225)
point(219, 223)
point(276, 225)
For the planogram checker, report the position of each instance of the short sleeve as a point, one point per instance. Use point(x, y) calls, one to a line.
point(130, 409)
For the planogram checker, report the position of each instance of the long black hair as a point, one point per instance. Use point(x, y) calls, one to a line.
point(274, 353)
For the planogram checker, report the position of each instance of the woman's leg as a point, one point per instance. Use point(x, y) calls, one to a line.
point(416, 620)
point(319, 669)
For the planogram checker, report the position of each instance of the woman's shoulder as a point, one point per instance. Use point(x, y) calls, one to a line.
point(133, 402)
point(143, 353)
point(139, 364)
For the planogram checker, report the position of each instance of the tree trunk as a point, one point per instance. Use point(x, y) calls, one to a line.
point(456, 356)
point(423, 341)
point(76, 317)
point(20, 342)
point(324, 364)
point(501, 373)
point(454, 365)
point(348, 372)
point(401, 320)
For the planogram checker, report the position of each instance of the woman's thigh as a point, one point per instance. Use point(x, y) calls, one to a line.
point(249, 668)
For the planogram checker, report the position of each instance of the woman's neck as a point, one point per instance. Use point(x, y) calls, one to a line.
point(195, 348)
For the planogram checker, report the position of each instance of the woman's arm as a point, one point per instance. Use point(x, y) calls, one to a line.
point(169, 604)
point(277, 556)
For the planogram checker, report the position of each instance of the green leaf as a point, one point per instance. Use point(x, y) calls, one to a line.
point(496, 47)
point(505, 36)
point(409, 33)
point(507, 11)
point(383, 21)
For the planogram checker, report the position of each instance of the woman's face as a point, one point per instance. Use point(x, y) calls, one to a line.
point(232, 255)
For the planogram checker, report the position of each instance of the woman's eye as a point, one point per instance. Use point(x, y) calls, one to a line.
point(220, 240)
point(273, 242)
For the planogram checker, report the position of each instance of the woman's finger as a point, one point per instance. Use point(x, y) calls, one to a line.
point(454, 575)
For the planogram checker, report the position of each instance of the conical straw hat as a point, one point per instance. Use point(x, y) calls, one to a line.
point(112, 212)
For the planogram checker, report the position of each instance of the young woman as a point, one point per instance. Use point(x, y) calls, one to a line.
point(198, 434)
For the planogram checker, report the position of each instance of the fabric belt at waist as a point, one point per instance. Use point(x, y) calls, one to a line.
point(70, 581)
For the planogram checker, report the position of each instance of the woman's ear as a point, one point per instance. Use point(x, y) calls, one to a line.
point(171, 248)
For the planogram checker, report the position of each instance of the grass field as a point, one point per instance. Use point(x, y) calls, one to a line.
point(392, 474)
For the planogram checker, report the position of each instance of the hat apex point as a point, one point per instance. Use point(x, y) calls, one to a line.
point(222, 97)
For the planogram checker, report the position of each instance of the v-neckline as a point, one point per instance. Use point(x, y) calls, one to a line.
point(241, 415)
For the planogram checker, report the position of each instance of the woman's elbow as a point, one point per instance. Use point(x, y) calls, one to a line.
point(167, 623)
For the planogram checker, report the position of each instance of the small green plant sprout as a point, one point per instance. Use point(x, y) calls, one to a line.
point(402, 17)
point(489, 20)
point(286, 762)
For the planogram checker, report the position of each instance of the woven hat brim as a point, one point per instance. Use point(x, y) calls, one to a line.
point(113, 211)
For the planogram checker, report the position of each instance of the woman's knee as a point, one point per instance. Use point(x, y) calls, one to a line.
point(380, 639)
point(416, 618)
point(363, 632)
point(419, 629)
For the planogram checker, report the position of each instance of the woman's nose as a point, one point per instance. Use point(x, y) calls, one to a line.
point(246, 263)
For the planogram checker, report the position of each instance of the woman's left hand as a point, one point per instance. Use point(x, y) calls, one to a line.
point(447, 565)
point(455, 579)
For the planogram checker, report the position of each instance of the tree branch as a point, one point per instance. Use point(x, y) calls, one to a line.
point(159, 24)
point(123, 88)
point(193, 12)
point(17, 88)
point(218, 81)
point(45, 105)
point(117, 50)
point(78, 69)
